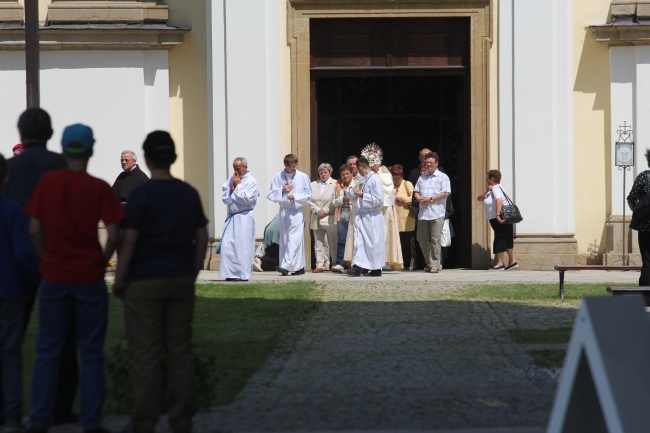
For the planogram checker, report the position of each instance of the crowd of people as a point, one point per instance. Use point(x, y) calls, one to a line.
point(369, 220)
point(50, 251)
point(363, 223)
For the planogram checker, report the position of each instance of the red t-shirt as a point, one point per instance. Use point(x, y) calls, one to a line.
point(69, 205)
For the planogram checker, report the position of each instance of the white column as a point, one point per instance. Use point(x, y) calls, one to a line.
point(536, 112)
point(244, 62)
point(622, 96)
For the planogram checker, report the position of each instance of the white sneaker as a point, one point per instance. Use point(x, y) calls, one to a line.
point(337, 268)
point(257, 267)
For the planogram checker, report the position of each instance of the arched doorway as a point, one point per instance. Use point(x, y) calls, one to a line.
point(401, 83)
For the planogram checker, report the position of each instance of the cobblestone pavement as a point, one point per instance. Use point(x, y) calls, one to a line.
point(380, 356)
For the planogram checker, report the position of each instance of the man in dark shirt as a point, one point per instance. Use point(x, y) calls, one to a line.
point(35, 129)
point(130, 178)
point(414, 175)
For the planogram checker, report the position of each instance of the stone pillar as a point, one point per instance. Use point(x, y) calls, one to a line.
point(106, 11)
point(614, 252)
point(11, 10)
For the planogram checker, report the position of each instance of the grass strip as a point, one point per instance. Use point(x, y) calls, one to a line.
point(573, 293)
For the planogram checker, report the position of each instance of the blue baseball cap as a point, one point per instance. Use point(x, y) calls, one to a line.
point(77, 139)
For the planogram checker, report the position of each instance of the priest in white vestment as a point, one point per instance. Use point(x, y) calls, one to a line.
point(239, 193)
point(291, 188)
point(369, 236)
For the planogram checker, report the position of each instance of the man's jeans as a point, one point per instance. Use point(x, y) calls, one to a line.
point(342, 230)
point(59, 306)
point(11, 360)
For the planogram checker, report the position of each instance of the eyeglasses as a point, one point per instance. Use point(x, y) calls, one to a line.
point(126, 160)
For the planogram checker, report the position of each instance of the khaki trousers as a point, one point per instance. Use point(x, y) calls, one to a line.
point(158, 317)
point(428, 235)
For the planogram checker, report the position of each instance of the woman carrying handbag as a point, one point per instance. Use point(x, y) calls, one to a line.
point(504, 241)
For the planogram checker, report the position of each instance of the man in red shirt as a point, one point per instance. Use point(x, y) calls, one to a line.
point(65, 210)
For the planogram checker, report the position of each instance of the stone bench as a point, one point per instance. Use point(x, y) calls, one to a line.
point(562, 269)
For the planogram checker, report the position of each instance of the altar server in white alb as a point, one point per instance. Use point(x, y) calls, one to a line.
point(369, 233)
point(240, 194)
point(292, 190)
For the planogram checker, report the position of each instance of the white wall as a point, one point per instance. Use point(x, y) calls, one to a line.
point(245, 105)
point(630, 105)
point(121, 95)
point(536, 112)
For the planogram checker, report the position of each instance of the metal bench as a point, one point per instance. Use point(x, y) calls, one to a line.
point(631, 290)
point(562, 269)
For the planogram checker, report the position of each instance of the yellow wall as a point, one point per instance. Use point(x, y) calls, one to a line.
point(189, 95)
point(592, 132)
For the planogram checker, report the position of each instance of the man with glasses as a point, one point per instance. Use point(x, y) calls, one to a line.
point(130, 178)
point(291, 188)
point(431, 191)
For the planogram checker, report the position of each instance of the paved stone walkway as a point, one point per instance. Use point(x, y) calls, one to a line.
point(381, 356)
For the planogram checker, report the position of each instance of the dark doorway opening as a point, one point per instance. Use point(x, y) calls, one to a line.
point(403, 84)
point(402, 114)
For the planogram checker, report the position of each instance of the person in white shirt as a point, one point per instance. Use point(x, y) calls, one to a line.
point(504, 240)
point(292, 190)
point(240, 194)
point(323, 192)
point(431, 191)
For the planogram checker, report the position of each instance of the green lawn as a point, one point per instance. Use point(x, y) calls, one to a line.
point(235, 329)
point(237, 326)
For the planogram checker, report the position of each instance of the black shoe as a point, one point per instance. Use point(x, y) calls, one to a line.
point(375, 273)
point(282, 271)
point(356, 271)
point(300, 272)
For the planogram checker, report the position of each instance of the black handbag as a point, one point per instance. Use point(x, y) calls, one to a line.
point(509, 211)
point(641, 209)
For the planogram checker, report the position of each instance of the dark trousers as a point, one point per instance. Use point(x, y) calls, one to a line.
point(644, 248)
point(503, 237)
point(68, 366)
point(158, 314)
point(405, 239)
point(271, 258)
point(419, 257)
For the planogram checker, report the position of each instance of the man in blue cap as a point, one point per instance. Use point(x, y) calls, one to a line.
point(65, 210)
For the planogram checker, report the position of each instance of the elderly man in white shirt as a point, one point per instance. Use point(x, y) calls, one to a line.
point(240, 194)
point(431, 191)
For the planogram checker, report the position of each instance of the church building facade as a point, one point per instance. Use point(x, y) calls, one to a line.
point(538, 89)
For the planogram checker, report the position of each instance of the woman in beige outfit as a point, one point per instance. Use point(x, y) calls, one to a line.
point(322, 217)
point(405, 220)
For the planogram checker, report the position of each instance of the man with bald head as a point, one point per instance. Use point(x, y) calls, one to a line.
point(239, 193)
point(414, 174)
